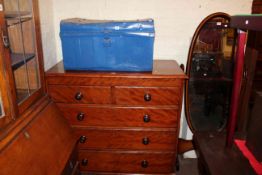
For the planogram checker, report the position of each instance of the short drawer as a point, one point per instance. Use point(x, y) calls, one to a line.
point(113, 116)
point(147, 96)
point(131, 139)
point(127, 162)
point(80, 94)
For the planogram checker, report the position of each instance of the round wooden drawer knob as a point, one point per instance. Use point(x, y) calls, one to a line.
point(84, 162)
point(146, 118)
point(144, 164)
point(147, 97)
point(145, 141)
point(82, 139)
point(78, 96)
point(80, 116)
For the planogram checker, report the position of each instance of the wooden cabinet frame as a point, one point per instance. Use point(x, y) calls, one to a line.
point(7, 80)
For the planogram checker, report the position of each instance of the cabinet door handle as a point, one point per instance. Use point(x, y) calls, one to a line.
point(147, 97)
point(144, 164)
point(80, 116)
point(78, 96)
point(84, 162)
point(5, 38)
point(82, 139)
point(6, 41)
point(146, 118)
point(145, 141)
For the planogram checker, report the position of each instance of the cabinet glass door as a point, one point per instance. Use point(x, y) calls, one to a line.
point(21, 42)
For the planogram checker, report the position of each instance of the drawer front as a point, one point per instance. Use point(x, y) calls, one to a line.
point(147, 96)
point(127, 162)
point(80, 94)
point(84, 115)
point(126, 139)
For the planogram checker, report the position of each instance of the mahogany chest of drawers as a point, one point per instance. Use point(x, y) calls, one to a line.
point(125, 122)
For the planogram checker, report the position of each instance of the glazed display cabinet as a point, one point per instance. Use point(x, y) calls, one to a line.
point(21, 58)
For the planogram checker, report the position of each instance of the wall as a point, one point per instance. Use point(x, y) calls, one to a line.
point(48, 32)
point(175, 21)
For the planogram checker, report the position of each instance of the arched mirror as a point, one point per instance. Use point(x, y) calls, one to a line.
point(209, 68)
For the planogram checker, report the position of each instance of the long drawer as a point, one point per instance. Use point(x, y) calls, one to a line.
point(126, 162)
point(131, 139)
point(80, 94)
point(147, 95)
point(113, 116)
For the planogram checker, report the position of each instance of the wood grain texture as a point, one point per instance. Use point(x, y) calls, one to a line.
point(128, 139)
point(91, 95)
point(14, 129)
point(32, 151)
point(7, 97)
point(256, 6)
point(247, 85)
point(116, 134)
point(72, 165)
point(254, 132)
point(136, 95)
point(127, 162)
point(107, 173)
point(73, 79)
point(184, 146)
point(38, 41)
point(119, 116)
point(161, 69)
point(216, 159)
point(36, 38)
point(165, 73)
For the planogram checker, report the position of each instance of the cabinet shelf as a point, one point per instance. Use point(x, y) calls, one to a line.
point(19, 59)
point(14, 18)
point(14, 22)
point(17, 14)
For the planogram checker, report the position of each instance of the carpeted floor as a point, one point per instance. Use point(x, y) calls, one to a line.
point(188, 166)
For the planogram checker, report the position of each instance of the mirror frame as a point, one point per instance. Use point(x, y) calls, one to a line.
point(189, 61)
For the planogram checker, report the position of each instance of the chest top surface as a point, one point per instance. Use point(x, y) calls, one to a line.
point(161, 68)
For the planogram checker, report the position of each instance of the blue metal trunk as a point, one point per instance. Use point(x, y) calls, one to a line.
point(107, 45)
